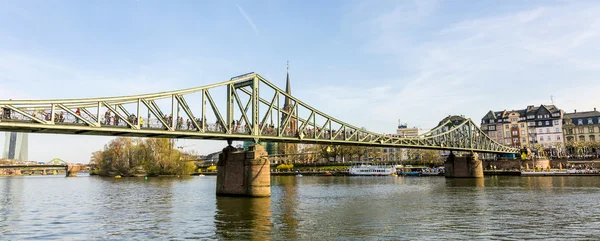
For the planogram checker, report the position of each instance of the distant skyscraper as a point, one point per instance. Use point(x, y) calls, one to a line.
point(16, 146)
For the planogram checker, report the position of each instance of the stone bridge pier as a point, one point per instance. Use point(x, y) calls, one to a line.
point(463, 166)
point(244, 173)
point(72, 170)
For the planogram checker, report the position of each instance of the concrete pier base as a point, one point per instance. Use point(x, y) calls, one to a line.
point(244, 173)
point(464, 166)
point(72, 170)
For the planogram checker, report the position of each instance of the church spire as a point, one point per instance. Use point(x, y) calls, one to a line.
point(288, 88)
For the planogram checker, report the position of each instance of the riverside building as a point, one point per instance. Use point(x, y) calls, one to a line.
point(525, 127)
point(582, 126)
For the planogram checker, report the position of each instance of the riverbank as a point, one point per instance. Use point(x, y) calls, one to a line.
point(540, 173)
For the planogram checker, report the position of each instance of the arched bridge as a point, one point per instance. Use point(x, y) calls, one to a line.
point(246, 107)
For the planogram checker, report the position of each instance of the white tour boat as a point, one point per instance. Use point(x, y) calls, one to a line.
point(367, 169)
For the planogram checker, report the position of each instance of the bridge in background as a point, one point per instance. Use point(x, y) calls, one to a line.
point(71, 170)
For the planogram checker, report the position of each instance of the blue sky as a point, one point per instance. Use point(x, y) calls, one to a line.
point(368, 63)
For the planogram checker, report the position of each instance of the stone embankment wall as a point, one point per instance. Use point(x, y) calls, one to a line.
point(516, 164)
point(10, 172)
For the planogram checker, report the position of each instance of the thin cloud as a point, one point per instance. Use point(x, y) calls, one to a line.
point(494, 62)
point(248, 19)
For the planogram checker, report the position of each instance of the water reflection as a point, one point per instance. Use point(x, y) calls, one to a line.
point(466, 182)
point(287, 206)
point(240, 218)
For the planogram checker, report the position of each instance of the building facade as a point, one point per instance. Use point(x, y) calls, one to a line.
point(16, 146)
point(525, 127)
point(400, 154)
point(582, 126)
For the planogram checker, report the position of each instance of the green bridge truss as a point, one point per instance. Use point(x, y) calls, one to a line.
point(247, 107)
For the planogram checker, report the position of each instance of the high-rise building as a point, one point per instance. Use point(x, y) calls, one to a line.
point(404, 131)
point(399, 154)
point(16, 146)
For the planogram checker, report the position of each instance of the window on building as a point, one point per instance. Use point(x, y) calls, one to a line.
point(540, 130)
point(556, 114)
point(540, 116)
point(484, 128)
point(558, 138)
point(547, 123)
point(514, 119)
point(541, 138)
point(507, 134)
point(515, 133)
point(514, 126)
point(581, 138)
point(546, 116)
point(522, 118)
point(547, 130)
point(580, 122)
point(591, 129)
point(539, 123)
point(580, 130)
point(522, 132)
point(492, 128)
point(515, 140)
point(522, 125)
point(598, 120)
point(493, 134)
point(491, 121)
point(500, 141)
point(531, 123)
point(555, 122)
point(482, 121)
point(592, 138)
point(523, 140)
point(557, 130)
point(506, 126)
point(530, 117)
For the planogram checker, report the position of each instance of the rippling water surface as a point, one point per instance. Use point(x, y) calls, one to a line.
point(317, 208)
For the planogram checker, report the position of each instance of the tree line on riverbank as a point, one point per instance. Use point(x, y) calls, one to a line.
point(375, 154)
point(140, 157)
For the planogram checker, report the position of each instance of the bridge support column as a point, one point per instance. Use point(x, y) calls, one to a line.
point(72, 170)
point(464, 166)
point(44, 172)
point(244, 173)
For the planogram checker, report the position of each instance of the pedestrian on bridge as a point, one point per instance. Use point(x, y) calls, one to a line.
point(107, 117)
point(78, 113)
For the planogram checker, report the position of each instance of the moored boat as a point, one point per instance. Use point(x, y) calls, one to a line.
point(368, 169)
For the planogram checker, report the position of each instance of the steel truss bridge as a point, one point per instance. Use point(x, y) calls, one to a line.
point(246, 107)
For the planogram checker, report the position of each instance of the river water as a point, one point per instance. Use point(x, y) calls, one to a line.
point(300, 208)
